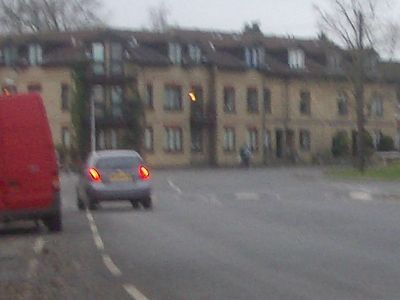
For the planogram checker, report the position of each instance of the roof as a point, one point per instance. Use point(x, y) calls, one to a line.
point(222, 49)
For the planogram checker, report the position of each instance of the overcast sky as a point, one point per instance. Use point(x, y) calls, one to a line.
point(295, 17)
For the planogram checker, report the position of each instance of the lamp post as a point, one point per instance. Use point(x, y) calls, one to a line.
point(92, 126)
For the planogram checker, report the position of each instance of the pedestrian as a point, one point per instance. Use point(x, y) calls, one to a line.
point(245, 154)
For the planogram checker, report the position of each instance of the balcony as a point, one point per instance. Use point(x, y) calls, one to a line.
point(101, 73)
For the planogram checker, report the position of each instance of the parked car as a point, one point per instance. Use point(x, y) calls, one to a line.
point(29, 182)
point(114, 175)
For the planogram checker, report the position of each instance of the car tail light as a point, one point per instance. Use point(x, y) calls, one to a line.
point(56, 181)
point(144, 173)
point(94, 175)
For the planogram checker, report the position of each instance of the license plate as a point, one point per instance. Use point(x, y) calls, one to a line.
point(120, 176)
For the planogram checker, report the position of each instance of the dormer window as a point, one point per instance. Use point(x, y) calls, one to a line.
point(335, 61)
point(98, 57)
point(35, 54)
point(175, 53)
point(296, 59)
point(195, 53)
point(254, 56)
point(10, 55)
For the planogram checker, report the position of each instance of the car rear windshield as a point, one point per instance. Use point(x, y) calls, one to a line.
point(124, 162)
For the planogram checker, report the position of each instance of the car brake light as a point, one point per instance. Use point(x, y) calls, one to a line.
point(56, 184)
point(94, 175)
point(144, 173)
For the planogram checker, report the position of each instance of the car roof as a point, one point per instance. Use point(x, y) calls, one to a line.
point(112, 153)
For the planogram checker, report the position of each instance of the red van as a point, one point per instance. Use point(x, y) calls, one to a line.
point(29, 182)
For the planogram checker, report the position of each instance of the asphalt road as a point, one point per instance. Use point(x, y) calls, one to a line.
point(234, 234)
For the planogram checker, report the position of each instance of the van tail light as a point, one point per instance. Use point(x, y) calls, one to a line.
point(56, 181)
point(94, 175)
point(144, 173)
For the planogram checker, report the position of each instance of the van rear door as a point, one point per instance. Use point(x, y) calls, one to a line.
point(29, 164)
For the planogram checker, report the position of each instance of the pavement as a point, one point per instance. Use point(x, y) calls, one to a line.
point(276, 233)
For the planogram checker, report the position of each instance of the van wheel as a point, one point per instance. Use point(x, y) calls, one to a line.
point(80, 204)
point(147, 203)
point(53, 222)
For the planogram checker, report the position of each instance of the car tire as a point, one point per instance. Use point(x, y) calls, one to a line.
point(93, 205)
point(80, 204)
point(53, 222)
point(147, 203)
point(135, 204)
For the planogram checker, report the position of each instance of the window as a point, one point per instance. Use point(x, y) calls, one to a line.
point(113, 139)
point(197, 140)
point(252, 100)
point(335, 61)
point(376, 138)
point(229, 139)
point(98, 95)
point(116, 58)
point(267, 101)
point(101, 140)
point(252, 139)
point(175, 53)
point(305, 103)
point(229, 100)
point(296, 59)
point(305, 140)
point(173, 98)
point(173, 139)
point(148, 139)
point(342, 103)
point(98, 58)
point(254, 56)
point(10, 55)
point(35, 88)
point(267, 140)
point(148, 96)
point(195, 53)
point(35, 54)
point(65, 97)
point(116, 101)
point(376, 107)
point(65, 137)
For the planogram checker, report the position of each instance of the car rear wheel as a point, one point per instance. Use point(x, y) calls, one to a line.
point(53, 222)
point(135, 204)
point(80, 204)
point(147, 203)
point(93, 205)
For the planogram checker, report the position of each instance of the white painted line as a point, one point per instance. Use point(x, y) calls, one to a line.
point(98, 241)
point(134, 292)
point(33, 264)
point(38, 245)
point(361, 195)
point(93, 228)
point(214, 200)
point(111, 266)
point(174, 186)
point(247, 196)
point(89, 216)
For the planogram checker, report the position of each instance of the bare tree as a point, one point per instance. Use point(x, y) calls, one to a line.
point(17, 16)
point(355, 23)
point(158, 16)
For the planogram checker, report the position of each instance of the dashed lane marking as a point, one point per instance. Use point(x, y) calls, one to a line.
point(134, 292)
point(247, 196)
point(32, 269)
point(111, 266)
point(38, 245)
point(174, 186)
point(361, 195)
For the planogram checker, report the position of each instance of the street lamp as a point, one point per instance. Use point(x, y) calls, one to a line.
point(92, 125)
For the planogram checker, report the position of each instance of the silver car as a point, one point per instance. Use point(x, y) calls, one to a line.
point(114, 175)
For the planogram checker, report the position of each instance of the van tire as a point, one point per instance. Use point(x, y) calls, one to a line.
point(135, 204)
point(53, 222)
point(92, 204)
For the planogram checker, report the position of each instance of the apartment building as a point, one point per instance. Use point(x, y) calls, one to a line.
point(205, 94)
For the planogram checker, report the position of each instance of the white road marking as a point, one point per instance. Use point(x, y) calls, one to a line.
point(247, 196)
point(32, 270)
point(174, 186)
point(98, 241)
point(134, 292)
point(214, 200)
point(361, 195)
point(39, 245)
point(111, 266)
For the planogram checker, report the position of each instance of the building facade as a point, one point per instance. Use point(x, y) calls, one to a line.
point(205, 94)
